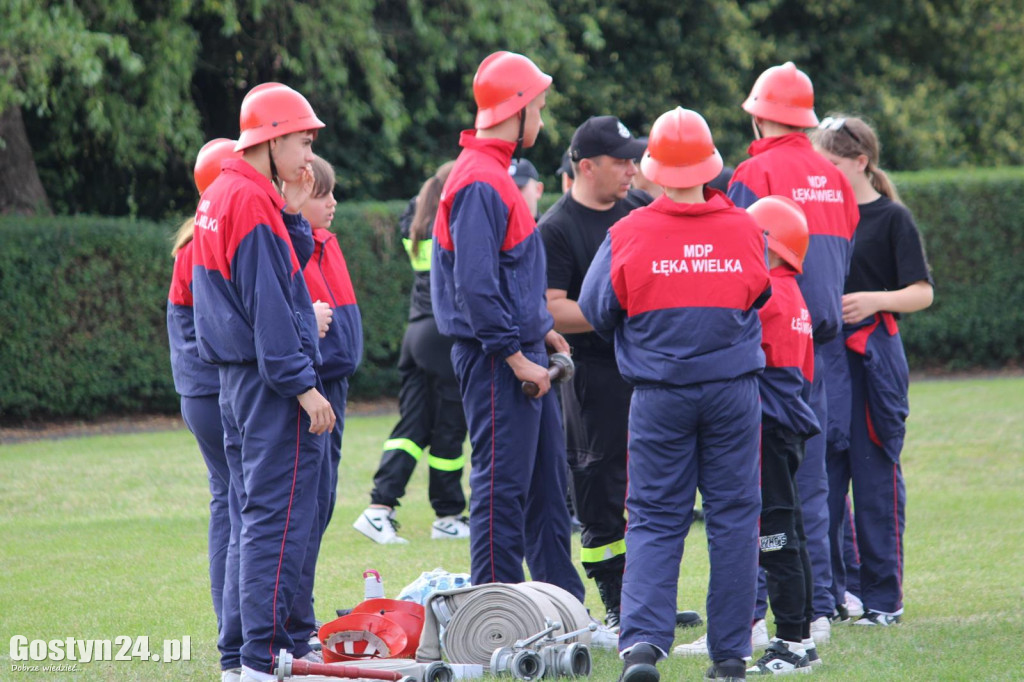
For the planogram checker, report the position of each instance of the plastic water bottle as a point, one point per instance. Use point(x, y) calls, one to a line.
point(374, 585)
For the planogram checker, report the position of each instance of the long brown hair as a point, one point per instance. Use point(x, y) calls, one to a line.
point(849, 137)
point(426, 205)
point(183, 236)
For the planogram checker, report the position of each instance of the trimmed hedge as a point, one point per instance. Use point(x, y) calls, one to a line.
point(83, 300)
point(973, 227)
point(83, 304)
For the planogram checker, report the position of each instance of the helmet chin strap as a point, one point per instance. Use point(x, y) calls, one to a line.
point(757, 130)
point(522, 130)
point(273, 168)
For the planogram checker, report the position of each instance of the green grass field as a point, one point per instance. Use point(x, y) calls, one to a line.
point(105, 536)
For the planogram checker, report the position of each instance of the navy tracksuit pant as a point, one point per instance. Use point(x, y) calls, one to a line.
point(518, 480)
point(302, 622)
point(275, 465)
point(202, 417)
point(879, 384)
point(703, 436)
point(812, 481)
point(431, 416)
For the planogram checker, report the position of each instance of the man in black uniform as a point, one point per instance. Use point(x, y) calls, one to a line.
point(596, 404)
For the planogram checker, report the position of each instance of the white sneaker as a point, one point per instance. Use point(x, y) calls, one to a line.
point(781, 658)
point(759, 635)
point(250, 675)
point(854, 606)
point(313, 657)
point(821, 630)
point(603, 637)
point(698, 647)
point(380, 526)
point(232, 675)
point(450, 528)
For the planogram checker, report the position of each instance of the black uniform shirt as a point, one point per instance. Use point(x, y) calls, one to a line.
point(888, 253)
point(572, 234)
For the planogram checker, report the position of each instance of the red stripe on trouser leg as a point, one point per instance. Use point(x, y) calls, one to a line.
point(871, 427)
point(490, 519)
point(896, 523)
point(284, 535)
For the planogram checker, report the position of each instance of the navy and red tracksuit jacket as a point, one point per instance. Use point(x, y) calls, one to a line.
point(193, 378)
point(788, 166)
point(876, 339)
point(788, 344)
point(489, 274)
point(677, 285)
point(252, 304)
point(328, 280)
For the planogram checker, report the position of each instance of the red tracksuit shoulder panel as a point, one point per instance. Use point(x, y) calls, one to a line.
point(713, 251)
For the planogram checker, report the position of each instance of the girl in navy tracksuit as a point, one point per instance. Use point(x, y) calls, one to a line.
point(197, 382)
point(341, 349)
point(889, 275)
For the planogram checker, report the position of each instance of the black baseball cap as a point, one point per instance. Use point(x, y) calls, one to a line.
point(604, 136)
point(522, 171)
point(566, 166)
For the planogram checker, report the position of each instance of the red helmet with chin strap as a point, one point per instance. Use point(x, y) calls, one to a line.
point(505, 82)
point(208, 161)
point(785, 228)
point(271, 110)
point(680, 151)
point(783, 94)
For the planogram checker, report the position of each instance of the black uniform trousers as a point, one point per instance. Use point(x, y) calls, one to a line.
point(595, 409)
point(783, 543)
point(431, 416)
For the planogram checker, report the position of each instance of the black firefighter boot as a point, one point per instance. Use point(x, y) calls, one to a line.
point(638, 664)
point(609, 585)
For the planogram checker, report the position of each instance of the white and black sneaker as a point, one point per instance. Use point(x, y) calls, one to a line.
point(450, 528)
point(781, 658)
point(876, 618)
point(379, 524)
point(811, 649)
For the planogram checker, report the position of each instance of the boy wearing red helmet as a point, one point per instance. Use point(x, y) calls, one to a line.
point(255, 321)
point(786, 422)
point(676, 284)
point(783, 162)
point(487, 287)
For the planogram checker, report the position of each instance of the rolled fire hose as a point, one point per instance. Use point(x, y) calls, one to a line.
point(480, 619)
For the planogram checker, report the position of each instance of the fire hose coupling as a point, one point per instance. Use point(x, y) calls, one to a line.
point(566, 660)
point(522, 664)
point(560, 369)
point(550, 659)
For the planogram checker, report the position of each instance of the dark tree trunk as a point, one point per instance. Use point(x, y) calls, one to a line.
point(20, 188)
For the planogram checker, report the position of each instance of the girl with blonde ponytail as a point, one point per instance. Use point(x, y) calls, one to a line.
point(888, 275)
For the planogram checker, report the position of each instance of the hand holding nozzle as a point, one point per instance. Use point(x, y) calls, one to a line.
point(560, 369)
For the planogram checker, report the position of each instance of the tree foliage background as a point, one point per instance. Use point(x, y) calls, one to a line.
point(114, 97)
